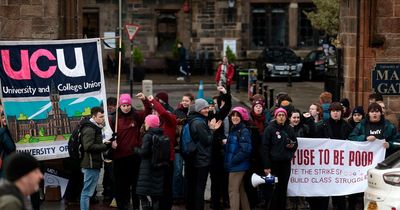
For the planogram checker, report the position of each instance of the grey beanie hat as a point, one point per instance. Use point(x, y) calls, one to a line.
point(200, 104)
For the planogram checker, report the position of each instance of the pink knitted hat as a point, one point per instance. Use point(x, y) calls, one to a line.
point(152, 121)
point(125, 99)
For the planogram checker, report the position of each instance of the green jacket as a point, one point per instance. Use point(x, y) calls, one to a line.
point(93, 146)
point(10, 197)
point(389, 132)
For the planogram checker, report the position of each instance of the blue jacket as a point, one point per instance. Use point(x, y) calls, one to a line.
point(238, 151)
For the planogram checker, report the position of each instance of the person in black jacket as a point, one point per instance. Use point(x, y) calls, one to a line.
point(334, 128)
point(218, 176)
point(278, 146)
point(150, 179)
point(198, 166)
point(304, 126)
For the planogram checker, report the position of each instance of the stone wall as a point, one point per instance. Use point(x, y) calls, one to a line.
point(372, 38)
point(29, 19)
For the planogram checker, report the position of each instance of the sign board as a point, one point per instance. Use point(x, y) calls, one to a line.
point(109, 38)
point(385, 78)
point(132, 30)
point(231, 43)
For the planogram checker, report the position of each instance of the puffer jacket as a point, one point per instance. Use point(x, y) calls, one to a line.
point(275, 139)
point(202, 135)
point(360, 133)
point(150, 179)
point(93, 146)
point(238, 149)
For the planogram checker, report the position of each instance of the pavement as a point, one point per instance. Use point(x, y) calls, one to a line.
point(302, 93)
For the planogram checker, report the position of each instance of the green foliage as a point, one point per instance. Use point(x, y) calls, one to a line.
point(326, 16)
point(41, 131)
point(175, 50)
point(137, 57)
point(230, 55)
point(22, 116)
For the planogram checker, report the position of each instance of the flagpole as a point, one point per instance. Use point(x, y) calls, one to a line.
point(119, 62)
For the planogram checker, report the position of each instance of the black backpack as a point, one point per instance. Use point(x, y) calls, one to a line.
point(75, 147)
point(160, 151)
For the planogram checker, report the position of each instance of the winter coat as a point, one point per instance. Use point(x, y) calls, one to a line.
point(334, 129)
point(219, 134)
point(306, 127)
point(7, 145)
point(361, 132)
point(128, 134)
point(275, 139)
point(238, 149)
point(202, 135)
point(11, 197)
point(168, 124)
point(230, 71)
point(92, 141)
point(150, 179)
point(325, 109)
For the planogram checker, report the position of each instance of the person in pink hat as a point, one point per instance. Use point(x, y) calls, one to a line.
point(278, 146)
point(126, 163)
point(150, 179)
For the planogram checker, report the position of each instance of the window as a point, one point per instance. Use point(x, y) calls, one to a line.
point(90, 23)
point(149, 2)
point(307, 36)
point(269, 26)
point(166, 31)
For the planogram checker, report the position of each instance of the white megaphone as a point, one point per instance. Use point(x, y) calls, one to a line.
point(257, 179)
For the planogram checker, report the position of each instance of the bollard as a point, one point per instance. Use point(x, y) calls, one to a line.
point(271, 97)
point(265, 87)
point(290, 77)
point(147, 87)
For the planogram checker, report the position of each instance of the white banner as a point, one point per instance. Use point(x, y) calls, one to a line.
point(326, 167)
point(45, 151)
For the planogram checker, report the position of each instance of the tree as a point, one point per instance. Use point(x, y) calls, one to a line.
point(230, 55)
point(326, 16)
point(137, 57)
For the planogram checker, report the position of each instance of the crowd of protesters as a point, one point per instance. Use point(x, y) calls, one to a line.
point(231, 143)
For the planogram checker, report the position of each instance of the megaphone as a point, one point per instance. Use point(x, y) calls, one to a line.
point(257, 179)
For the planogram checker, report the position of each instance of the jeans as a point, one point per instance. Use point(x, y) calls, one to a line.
point(178, 184)
point(90, 178)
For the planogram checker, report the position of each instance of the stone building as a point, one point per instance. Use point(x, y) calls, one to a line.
point(202, 25)
point(370, 36)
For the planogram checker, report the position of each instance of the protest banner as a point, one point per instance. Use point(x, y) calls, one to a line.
point(47, 88)
point(327, 167)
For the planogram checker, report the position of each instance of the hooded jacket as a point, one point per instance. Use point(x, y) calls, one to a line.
point(150, 179)
point(92, 141)
point(361, 132)
point(202, 135)
point(238, 149)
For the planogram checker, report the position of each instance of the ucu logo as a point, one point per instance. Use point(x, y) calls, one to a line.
point(30, 63)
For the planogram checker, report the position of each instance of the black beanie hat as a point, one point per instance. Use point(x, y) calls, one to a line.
point(359, 110)
point(18, 165)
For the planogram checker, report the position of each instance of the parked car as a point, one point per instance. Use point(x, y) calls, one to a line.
point(278, 62)
point(314, 65)
point(383, 190)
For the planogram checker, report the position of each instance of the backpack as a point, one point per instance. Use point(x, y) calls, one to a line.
point(188, 146)
point(160, 151)
point(75, 147)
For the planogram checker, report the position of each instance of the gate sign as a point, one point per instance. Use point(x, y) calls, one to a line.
point(385, 78)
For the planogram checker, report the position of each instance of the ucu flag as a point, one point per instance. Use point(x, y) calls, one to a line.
point(36, 68)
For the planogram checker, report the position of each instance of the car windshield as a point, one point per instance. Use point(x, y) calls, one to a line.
point(281, 56)
point(393, 161)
